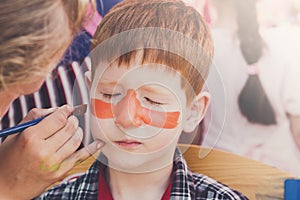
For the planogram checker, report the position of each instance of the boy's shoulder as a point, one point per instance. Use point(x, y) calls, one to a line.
point(198, 186)
point(212, 189)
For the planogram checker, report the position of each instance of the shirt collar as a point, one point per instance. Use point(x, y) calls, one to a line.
point(105, 193)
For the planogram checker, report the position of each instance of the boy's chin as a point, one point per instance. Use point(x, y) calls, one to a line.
point(128, 162)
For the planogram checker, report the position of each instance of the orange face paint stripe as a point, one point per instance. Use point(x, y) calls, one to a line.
point(168, 120)
point(101, 109)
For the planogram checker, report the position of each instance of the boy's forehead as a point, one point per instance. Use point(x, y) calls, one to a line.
point(146, 72)
point(151, 77)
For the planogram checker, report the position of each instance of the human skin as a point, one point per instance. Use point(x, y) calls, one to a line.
point(39, 156)
point(142, 151)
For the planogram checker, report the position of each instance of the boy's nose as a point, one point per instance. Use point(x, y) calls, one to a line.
point(129, 112)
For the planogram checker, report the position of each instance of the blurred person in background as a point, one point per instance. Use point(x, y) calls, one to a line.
point(261, 78)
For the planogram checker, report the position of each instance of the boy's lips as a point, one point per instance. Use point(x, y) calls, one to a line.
point(128, 143)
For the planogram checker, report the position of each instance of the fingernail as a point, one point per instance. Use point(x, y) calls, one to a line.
point(69, 108)
point(99, 145)
point(74, 120)
point(51, 109)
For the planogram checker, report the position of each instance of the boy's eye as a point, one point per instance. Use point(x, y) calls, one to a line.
point(108, 96)
point(153, 102)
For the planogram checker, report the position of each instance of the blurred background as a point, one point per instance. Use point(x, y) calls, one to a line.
point(257, 59)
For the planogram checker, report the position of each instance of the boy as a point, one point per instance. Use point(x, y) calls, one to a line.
point(149, 62)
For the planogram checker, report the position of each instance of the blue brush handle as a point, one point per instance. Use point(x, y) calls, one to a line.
point(20, 127)
point(77, 110)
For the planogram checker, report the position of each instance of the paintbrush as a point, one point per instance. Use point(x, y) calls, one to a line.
point(77, 110)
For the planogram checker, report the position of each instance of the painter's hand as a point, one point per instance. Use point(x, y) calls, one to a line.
point(39, 156)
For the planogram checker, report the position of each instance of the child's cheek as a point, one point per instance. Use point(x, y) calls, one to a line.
point(99, 127)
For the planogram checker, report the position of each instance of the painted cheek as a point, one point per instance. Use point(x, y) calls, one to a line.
point(101, 109)
point(129, 113)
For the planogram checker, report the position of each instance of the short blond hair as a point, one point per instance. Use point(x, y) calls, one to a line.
point(34, 33)
point(171, 15)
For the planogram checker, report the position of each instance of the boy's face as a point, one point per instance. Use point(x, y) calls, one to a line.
point(139, 112)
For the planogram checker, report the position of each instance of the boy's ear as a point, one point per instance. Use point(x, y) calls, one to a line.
point(88, 78)
point(196, 111)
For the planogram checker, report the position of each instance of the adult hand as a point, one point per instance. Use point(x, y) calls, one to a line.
point(39, 156)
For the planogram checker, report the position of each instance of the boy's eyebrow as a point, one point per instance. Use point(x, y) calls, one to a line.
point(107, 83)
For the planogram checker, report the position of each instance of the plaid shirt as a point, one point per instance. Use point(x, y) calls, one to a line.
point(185, 185)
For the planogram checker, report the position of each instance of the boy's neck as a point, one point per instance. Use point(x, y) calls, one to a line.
point(134, 186)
